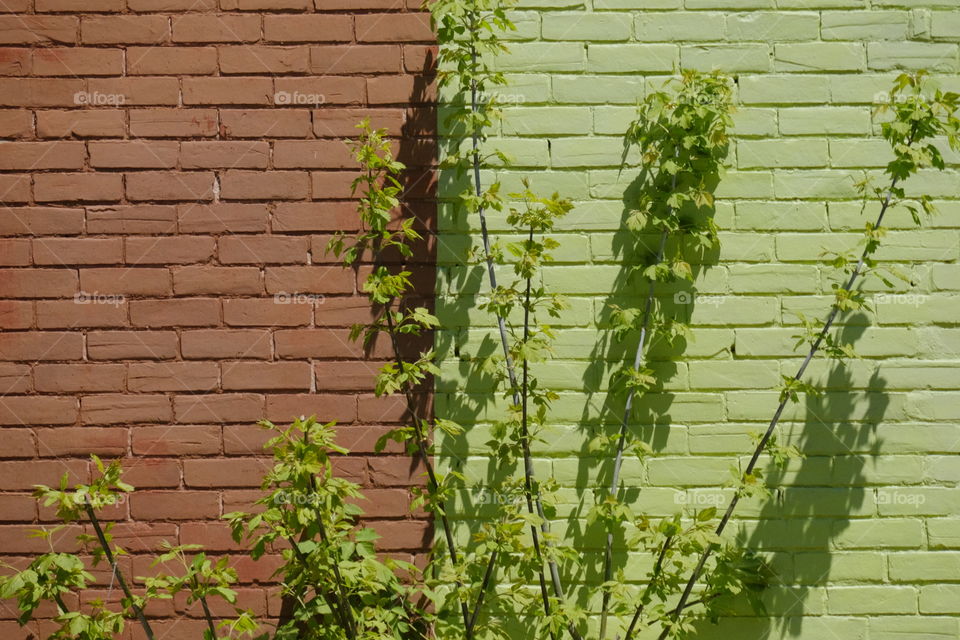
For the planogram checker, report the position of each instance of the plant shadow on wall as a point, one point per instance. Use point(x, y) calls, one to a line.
point(653, 298)
point(819, 494)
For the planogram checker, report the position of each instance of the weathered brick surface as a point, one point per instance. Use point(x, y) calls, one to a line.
point(166, 168)
point(865, 535)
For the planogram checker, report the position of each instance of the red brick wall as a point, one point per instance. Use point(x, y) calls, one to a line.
point(169, 171)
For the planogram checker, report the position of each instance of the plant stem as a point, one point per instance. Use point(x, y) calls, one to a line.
point(621, 442)
point(320, 593)
point(528, 488)
point(646, 590)
point(423, 450)
point(834, 312)
point(534, 503)
point(341, 591)
point(206, 614)
point(108, 553)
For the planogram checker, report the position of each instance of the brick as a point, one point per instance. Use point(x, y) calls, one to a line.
point(314, 216)
point(35, 156)
point(163, 123)
point(227, 155)
point(274, 376)
point(231, 472)
point(779, 89)
point(15, 252)
point(177, 441)
point(173, 376)
point(131, 345)
point(99, 123)
point(157, 185)
point(15, 188)
point(884, 56)
point(266, 313)
point(362, 58)
point(224, 407)
point(256, 5)
point(820, 56)
point(824, 120)
point(232, 91)
point(39, 92)
point(312, 154)
point(226, 343)
point(121, 408)
point(336, 122)
point(69, 314)
point(38, 283)
point(216, 28)
point(727, 58)
point(27, 410)
point(16, 123)
point(564, 26)
point(134, 154)
point(255, 123)
point(263, 250)
point(105, 441)
point(410, 27)
point(78, 62)
point(313, 279)
point(136, 282)
point(773, 26)
point(67, 6)
point(222, 217)
point(68, 251)
point(22, 475)
point(172, 5)
point(139, 91)
point(132, 219)
point(203, 280)
point(346, 376)
point(168, 61)
point(28, 29)
point(271, 185)
point(756, 154)
point(261, 59)
point(51, 345)
point(174, 505)
point(36, 221)
point(308, 28)
point(124, 29)
point(400, 534)
point(192, 312)
point(283, 408)
point(314, 91)
point(865, 25)
point(170, 250)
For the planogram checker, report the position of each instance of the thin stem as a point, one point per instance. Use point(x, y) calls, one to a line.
point(834, 312)
point(108, 553)
point(487, 575)
point(621, 442)
point(341, 589)
point(638, 360)
point(534, 503)
point(655, 574)
point(423, 451)
point(525, 438)
point(320, 592)
point(206, 614)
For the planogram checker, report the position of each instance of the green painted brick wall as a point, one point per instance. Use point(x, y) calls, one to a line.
point(865, 533)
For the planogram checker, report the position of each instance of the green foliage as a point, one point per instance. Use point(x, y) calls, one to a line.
point(331, 570)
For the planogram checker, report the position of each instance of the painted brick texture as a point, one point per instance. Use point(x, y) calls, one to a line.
point(170, 174)
point(865, 533)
